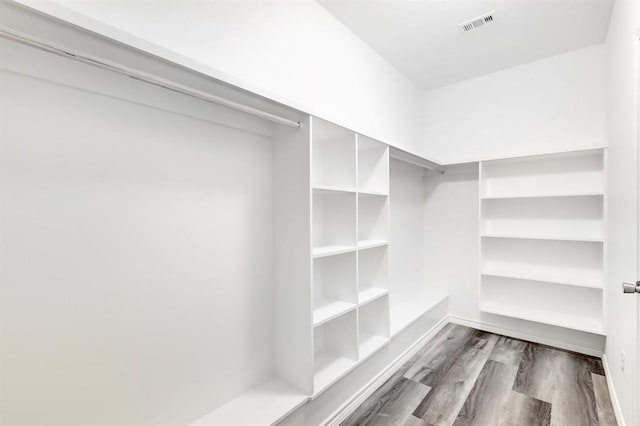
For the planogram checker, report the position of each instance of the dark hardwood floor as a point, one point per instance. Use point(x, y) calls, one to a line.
point(465, 376)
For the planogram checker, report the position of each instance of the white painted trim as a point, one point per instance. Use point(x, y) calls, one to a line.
point(617, 410)
point(587, 350)
point(367, 390)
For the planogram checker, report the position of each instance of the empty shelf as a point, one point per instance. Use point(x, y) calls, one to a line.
point(329, 367)
point(265, 404)
point(328, 309)
point(584, 279)
point(370, 343)
point(366, 244)
point(373, 193)
point(541, 195)
point(370, 294)
point(331, 250)
point(406, 313)
point(330, 188)
point(532, 236)
point(555, 318)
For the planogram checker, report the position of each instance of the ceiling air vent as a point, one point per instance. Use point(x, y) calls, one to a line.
point(478, 22)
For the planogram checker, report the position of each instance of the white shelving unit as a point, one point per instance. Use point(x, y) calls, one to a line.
point(350, 235)
point(332, 302)
point(542, 238)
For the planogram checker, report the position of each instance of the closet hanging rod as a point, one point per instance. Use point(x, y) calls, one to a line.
point(416, 160)
point(46, 46)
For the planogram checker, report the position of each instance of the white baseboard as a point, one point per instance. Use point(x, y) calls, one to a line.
point(587, 350)
point(617, 410)
point(367, 390)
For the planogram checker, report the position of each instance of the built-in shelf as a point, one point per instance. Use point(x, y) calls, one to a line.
point(367, 244)
point(533, 236)
point(328, 309)
point(329, 367)
point(333, 189)
point(405, 314)
point(370, 294)
point(265, 404)
point(588, 279)
point(555, 318)
point(331, 250)
point(370, 344)
point(372, 193)
point(517, 195)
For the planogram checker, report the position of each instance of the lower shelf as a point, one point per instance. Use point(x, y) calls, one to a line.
point(265, 404)
point(404, 314)
point(370, 294)
point(370, 343)
point(329, 309)
point(329, 367)
point(551, 318)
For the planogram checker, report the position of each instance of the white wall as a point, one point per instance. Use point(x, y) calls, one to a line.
point(451, 260)
point(293, 51)
point(136, 248)
point(555, 104)
point(406, 195)
point(622, 207)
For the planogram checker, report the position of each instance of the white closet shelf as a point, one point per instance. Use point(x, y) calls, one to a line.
point(405, 314)
point(331, 250)
point(329, 367)
point(265, 404)
point(328, 309)
point(590, 325)
point(370, 294)
point(535, 236)
point(373, 193)
point(367, 244)
point(541, 195)
point(585, 279)
point(369, 344)
point(329, 188)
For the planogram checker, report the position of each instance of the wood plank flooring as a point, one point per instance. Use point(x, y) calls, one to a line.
point(467, 377)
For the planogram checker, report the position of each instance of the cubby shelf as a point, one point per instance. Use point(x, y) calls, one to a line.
point(406, 313)
point(327, 188)
point(328, 309)
point(533, 236)
point(370, 343)
point(555, 318)
point(372, 193)
point(370, 294)
point(331, 250)
point(269, 402)
point(367, 244)
point(330, 366)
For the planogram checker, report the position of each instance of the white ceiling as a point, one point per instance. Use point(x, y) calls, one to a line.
point(421, 38)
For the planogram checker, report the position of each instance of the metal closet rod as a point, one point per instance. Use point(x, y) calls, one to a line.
point(46, 46)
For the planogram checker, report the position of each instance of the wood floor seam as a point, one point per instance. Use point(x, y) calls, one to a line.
point(468, 377)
